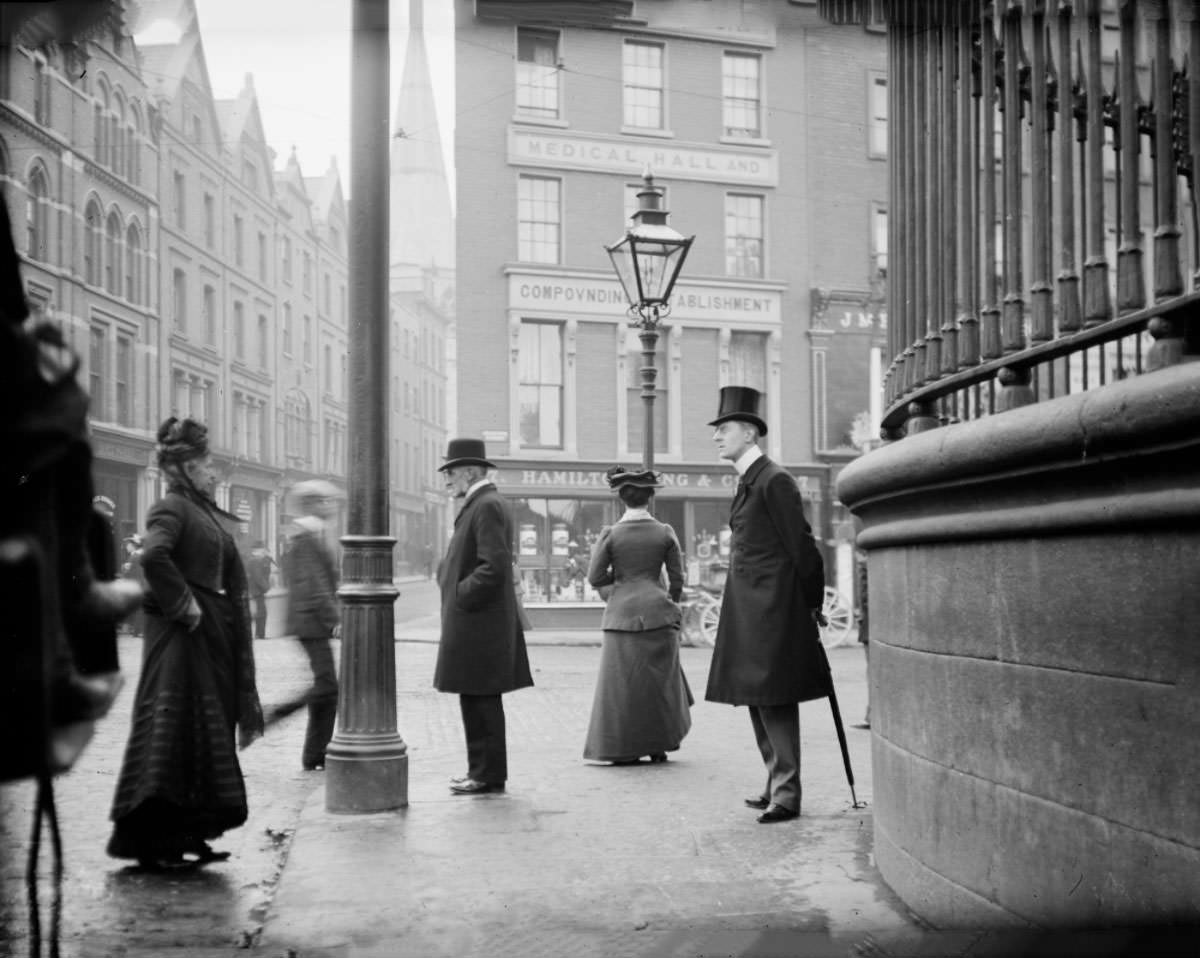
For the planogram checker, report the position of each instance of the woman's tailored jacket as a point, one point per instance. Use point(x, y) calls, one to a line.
point(482, 649)
point(630, 557)
point(312, 576)
point(768, 649)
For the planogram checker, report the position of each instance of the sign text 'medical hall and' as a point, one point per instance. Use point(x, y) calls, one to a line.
point(757, 167)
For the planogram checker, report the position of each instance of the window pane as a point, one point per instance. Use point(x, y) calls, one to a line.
point(877, 145)
point(740, 95)
point(643, 85)
point(748, 362)
point(538, 218)
point(537, 74)
point(540, 388)
point(743, 235)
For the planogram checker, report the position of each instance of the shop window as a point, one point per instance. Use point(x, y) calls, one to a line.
point(555, 538)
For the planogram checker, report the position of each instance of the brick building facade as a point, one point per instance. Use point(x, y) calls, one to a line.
point(764, 126)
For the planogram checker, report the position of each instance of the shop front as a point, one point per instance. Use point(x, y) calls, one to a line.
point(561, 511)
point(119, 468)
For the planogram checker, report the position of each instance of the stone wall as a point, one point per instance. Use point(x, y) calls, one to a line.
point(1035, 662)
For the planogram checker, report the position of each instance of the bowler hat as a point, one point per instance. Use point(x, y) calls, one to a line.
point(619, 476)
point(740, 404)
point(465, 452)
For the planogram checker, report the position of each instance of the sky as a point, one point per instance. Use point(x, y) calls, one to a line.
point(299, 54)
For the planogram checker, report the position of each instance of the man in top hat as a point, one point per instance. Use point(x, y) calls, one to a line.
point(482, 650)
point(312, 609)
point(767, 652)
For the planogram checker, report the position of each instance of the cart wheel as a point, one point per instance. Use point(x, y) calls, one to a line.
point(837, 611)
point(709, 615)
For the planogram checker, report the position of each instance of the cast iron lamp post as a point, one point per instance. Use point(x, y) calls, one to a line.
point(367, 761)
point(647, 260)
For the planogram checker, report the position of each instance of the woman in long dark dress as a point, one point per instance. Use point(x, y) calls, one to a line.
point(180, 783)
point(642, 701)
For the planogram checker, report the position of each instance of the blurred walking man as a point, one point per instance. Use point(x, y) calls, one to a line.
point(482, 651)
point(767, 652)
point(313, 614)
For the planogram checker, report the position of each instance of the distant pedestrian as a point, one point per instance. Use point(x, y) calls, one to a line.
point(427, 559)
point(97, 653)
point(767, 654)
point(642, 700)
point(482, 650)
point(131, 569)
point(258, 569)
point(180, 783)
point(313, 612)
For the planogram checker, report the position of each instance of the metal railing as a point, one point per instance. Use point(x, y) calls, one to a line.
point(1028, 143)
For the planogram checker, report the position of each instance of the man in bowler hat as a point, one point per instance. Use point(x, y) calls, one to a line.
point(767, 652)
point(482, 650)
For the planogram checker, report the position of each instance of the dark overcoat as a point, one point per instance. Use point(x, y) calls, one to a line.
point(312, 577)
point(768, 650)
point(482, 650)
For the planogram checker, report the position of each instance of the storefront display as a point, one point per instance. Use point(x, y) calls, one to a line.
point(556, 531)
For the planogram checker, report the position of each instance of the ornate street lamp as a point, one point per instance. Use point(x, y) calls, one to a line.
point(648, 260)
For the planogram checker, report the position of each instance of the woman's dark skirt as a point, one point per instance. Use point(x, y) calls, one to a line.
point(180, 781)
point(642, 702)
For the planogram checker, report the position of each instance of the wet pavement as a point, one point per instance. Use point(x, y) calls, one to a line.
point(575, 859)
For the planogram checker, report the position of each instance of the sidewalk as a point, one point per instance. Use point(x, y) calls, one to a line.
point(580, 860)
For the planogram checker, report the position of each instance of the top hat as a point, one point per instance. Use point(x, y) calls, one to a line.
point(465, 452)
point(619, 476)
point(740, 403)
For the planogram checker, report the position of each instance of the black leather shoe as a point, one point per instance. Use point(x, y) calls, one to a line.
point(759, 803)
point(472, 787)
point(777, 813)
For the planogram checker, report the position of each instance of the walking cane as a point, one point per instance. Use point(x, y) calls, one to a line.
point(837, 724)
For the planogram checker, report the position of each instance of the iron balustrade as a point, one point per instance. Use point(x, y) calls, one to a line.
point(1028, 142)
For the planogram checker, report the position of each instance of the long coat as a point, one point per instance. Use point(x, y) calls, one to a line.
point(312, 577)
point(768, 650)
point(482, 649)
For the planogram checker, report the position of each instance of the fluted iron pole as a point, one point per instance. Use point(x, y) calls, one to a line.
point(367, 761)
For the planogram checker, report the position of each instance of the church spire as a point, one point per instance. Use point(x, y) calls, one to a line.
point(422, 221)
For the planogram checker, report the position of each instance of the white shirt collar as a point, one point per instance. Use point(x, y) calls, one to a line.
point(632, 515)
point(475, 487)
point(747, 459)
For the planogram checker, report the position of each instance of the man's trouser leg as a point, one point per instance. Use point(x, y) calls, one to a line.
point(777, 732)
point(487, 749)
point(322, 706)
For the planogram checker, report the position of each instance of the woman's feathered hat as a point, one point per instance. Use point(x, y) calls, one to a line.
point(180, 440)
point(619, 476)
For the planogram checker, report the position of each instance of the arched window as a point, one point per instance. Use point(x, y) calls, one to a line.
point(112, 253)
point(133, 158)
point(100, 123)
point(296, 424)
point(133, 264)
point(38, 215)
point(116, 126)
point(92, 244)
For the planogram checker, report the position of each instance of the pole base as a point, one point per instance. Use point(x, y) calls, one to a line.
point(367, 779)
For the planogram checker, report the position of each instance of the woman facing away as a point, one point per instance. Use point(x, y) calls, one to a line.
point(180, 783)
point(642, 700)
